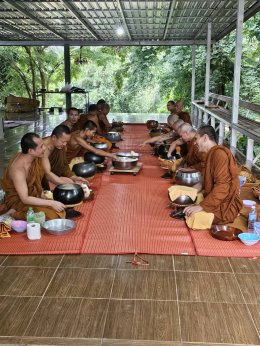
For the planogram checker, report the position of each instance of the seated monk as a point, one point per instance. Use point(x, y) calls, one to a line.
point(93, 116)
point(181, 114)
point(72, 120)
point(78, 141)
point(22, 182)
point(194, 158)
point(55, 164)
point(220, 180)
point(170, 136)
point(104, 124)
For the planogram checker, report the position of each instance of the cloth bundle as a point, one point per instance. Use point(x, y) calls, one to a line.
point(171, 165)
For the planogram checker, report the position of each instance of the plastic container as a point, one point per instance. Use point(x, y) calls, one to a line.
point(30, 215)
point(257, 228)
point(252, 216)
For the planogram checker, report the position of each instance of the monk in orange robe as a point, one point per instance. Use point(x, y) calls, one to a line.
point(181, 114)
point(72, 120)
point(78, 141)
point(22, 182)
point(55, 164)
point(220, 181)
point(194, 159)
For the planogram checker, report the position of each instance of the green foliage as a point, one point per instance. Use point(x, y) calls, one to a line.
point(134, 79)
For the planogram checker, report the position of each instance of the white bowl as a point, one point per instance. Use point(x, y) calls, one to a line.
point(248, 203)
point(249, 238)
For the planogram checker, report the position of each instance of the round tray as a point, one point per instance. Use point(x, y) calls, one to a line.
point(59, 226)
point(223, 232)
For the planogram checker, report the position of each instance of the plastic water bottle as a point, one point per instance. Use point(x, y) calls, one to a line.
point(30, 215)
point(252, 216)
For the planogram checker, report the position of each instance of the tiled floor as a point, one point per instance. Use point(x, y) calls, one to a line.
point(102, 300)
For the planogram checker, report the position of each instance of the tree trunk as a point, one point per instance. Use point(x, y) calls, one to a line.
point(31, 63)
point(24, 79)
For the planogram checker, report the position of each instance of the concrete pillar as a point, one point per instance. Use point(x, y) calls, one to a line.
point(67, 72)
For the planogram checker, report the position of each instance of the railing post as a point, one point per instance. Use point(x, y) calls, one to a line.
point(249, 153)
point(200, 118)
point(221, 133)
point(208, 65)
point(213, 122)
point(205, 118)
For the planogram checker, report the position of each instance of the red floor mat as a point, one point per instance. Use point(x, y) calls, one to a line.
point(129, 218)
point(206, 245)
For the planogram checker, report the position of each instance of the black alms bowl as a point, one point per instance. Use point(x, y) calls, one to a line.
point(113, 136)
point(84, 169)
point(91, 157)
point(68, 193)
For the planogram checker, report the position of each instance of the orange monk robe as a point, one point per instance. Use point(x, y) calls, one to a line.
point(73, 127)
point(59, 163)
point(221, 186)
point(74, 150)
point(12, 199)
point(185, 117)
point(194, 158)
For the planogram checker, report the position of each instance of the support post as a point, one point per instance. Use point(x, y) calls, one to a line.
point(208, 65)
point(249, 153)
point(193, 82)
point(221, 133)
point(237, 70)
point(67, 72)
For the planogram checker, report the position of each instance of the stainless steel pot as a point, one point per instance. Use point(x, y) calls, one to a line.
point(187, 178)
point(127, 154)
point(124, 163)
point(101, 145)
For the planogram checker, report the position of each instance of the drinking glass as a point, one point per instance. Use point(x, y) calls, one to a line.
point(242, 181)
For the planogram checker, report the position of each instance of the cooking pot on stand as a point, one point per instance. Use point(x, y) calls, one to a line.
point(125, 163)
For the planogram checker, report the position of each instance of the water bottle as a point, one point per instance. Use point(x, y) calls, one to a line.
point(30, 215)
point(252, 216)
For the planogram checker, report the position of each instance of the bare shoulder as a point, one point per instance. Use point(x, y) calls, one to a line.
point(17, 168)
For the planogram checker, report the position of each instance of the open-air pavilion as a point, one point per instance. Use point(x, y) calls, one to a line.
point(100, 299)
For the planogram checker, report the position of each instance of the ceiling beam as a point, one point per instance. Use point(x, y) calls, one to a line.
point(18, 31)
point(123, 19)
point(105, 43)
point(21, 9)
point(74, 11)
point(169, 17)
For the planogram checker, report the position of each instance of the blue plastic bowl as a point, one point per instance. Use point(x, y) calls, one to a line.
point(249, 238)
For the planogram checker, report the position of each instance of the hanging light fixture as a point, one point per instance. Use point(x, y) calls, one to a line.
point(80, 60)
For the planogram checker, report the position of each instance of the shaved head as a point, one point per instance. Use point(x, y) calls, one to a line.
point(186, 127)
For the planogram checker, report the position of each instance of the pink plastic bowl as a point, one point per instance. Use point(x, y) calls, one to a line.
point(19, 225)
